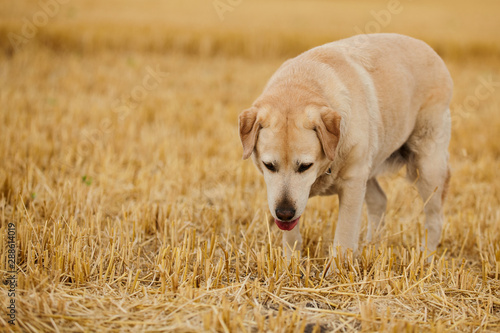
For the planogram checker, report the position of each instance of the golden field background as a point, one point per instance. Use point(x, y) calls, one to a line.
point(120, 165)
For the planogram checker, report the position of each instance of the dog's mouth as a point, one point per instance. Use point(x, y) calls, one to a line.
point(287, 225)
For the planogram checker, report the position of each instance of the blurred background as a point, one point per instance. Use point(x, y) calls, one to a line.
point(247, 28)
point(118, 125)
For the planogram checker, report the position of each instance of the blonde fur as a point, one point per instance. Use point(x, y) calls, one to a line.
point(356, 107)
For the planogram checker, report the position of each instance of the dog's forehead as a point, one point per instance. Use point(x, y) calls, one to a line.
point(303, 143)
point(289, 139)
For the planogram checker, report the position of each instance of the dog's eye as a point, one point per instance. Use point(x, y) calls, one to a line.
point(303, 167)
point(269, 166)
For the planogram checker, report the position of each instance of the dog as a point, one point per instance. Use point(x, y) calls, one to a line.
point(332, 119)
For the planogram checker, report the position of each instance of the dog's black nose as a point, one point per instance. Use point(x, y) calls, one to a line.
point(285, 214)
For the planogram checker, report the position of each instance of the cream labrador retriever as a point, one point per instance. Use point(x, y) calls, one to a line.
point(333, 118)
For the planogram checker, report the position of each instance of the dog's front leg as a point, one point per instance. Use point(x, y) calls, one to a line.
point(351, 198)
point(292, 241)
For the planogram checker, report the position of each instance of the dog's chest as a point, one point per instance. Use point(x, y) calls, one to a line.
point(324, 185)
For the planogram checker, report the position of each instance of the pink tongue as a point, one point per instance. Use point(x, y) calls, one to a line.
point(287, 225)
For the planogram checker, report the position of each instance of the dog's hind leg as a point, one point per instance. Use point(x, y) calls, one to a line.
point(429, 166)
point(376, 202)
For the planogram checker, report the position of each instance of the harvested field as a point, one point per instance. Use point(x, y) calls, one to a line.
point(123, 191)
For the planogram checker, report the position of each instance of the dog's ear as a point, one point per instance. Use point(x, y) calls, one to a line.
point(328, 130)
point(249, 129)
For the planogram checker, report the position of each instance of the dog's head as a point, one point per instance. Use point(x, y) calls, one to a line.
point(291, 148)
